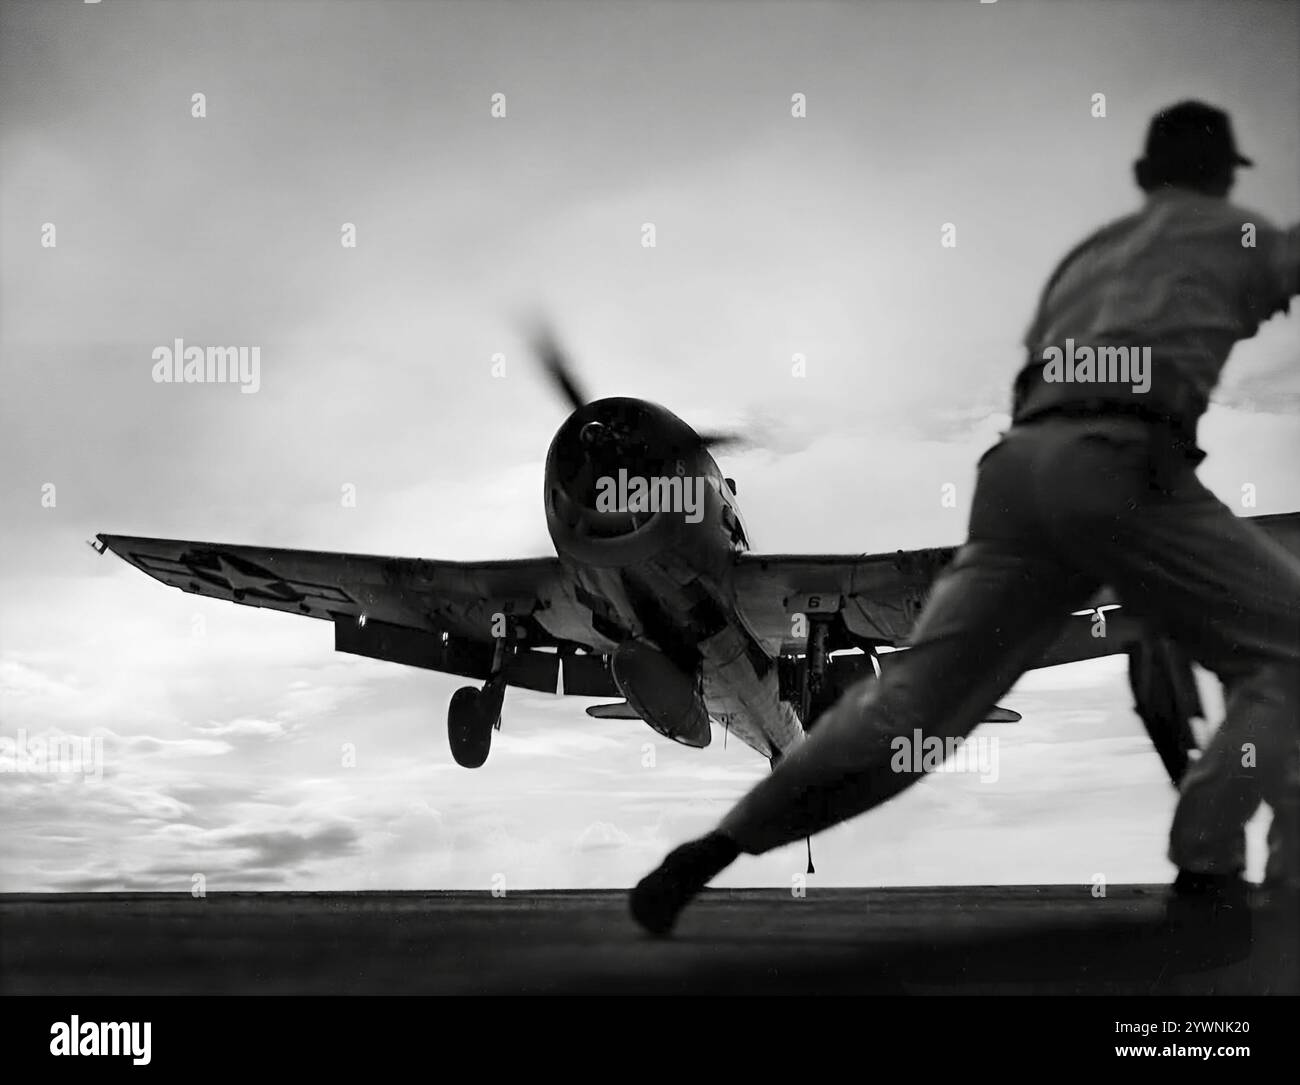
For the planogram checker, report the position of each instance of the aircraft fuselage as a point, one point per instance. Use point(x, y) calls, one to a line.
point(648, 529)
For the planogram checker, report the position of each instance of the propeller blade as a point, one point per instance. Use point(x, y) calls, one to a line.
point(725, 440)
point(557, 366)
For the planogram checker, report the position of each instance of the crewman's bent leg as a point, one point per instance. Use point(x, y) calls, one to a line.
point(1283, 867)
point(1251, 757)
point(1230, 595)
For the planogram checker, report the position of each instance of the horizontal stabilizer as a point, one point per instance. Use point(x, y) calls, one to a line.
point(998, 714)
point(620, 710)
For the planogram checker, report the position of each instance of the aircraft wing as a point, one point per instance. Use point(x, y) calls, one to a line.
point(441, 615)
point(880, 596)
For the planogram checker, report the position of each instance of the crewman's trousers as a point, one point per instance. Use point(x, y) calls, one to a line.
point(1062, 506)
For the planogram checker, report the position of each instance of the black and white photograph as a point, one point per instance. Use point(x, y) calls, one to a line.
point(650, 497)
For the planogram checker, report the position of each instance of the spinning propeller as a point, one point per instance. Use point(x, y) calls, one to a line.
point(598, 435)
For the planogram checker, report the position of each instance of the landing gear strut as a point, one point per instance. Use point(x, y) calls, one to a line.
point(772, 762)
point(818, 681)
point(815, 695)
point(474, 714)
point(817, 691)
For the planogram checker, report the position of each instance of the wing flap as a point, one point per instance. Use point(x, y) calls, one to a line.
point(526, 669)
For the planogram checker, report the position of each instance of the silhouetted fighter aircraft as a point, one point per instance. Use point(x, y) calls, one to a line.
point(653, 598)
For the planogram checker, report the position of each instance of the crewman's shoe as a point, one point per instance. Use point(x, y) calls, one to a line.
point(1278, 904)
point(1225, 890)
point(1212, 911)
point(660, 896)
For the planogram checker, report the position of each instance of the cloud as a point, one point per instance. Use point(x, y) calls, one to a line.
point(600, 835)
point(555, 741)
point(284, 849)
point(236, 741)
point(244, 728)
point(136, 745)
point(22, 681)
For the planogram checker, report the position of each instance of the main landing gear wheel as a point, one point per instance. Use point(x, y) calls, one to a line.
point(472, 716)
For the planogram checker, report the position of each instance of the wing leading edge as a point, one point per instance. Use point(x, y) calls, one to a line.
point(440, 615)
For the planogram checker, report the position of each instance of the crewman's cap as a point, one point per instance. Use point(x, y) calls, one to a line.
point(1192, 134)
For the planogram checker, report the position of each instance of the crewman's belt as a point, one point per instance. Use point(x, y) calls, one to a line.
point(1101, 408)
point(1181, 440)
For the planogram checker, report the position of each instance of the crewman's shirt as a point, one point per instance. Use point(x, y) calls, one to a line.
point(1145, 310)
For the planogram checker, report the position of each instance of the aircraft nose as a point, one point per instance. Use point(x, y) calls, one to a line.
point(601, 443)
point(623, 476)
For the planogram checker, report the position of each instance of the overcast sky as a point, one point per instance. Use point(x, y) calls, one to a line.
point(222, 726)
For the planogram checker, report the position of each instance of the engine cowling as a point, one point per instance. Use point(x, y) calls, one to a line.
point(610, 447)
